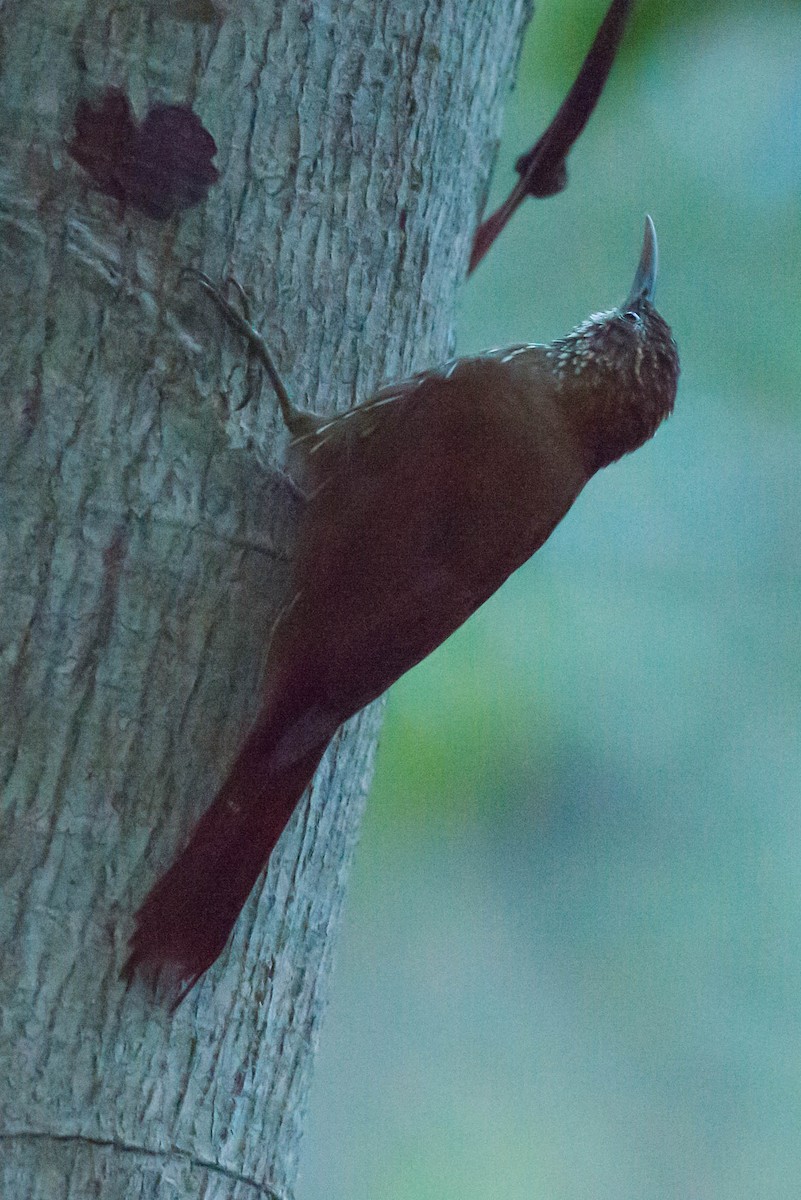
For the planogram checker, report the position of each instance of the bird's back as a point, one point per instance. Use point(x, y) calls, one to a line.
point(423, 500)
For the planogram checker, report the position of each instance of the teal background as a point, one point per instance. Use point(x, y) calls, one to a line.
point(570, 966)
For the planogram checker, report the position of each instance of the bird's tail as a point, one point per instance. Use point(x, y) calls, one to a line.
point(188, 915)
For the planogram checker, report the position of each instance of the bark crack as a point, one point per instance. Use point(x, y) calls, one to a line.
point(267, 1190)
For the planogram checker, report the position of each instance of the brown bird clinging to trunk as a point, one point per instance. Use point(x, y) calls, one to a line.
point(420, 502)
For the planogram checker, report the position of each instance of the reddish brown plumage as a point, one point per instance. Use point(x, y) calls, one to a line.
point(421, 502)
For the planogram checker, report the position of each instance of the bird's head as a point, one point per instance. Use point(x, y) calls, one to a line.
point(617, 371)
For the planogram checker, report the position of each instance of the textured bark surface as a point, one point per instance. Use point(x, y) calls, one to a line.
point(145, 534)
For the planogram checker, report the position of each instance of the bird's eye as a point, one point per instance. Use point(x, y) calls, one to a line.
point(632, 317)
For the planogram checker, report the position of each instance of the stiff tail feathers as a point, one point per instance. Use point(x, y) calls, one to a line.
point(187, 917)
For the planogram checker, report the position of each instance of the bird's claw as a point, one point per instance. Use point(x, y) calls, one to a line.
point(239, 318)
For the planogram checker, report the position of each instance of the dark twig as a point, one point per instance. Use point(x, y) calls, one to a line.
point(543, 170)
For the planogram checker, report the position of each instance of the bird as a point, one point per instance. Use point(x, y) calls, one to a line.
point(417, 504)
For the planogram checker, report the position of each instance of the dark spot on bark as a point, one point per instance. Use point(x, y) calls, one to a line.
point(103, 138)
point(159, 167)
point(201, 11)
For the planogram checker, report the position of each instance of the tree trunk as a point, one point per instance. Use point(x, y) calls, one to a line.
point(145, 531)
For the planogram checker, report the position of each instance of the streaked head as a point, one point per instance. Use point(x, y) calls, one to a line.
point(621, 367)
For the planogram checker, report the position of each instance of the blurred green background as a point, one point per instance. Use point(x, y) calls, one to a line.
point(571, 962)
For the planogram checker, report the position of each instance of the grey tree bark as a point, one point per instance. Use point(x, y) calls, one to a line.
point(145, 535)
